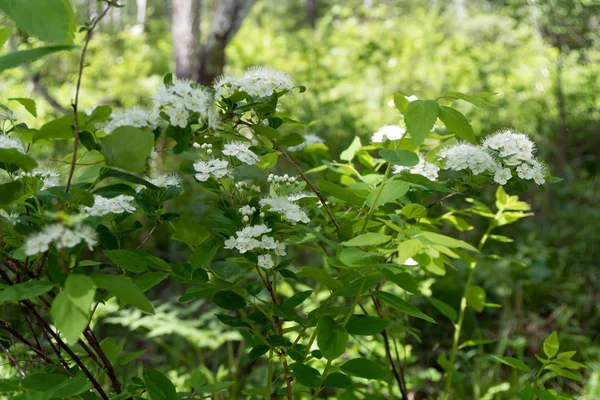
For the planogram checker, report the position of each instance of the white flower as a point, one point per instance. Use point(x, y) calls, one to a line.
point(136, 116)
point(49, 177)
point(265, 261)
point(63, 236)
point(309, 139)
point(532, 169)
point(268, 243)
point(301, 195)
point(388, 132)
point(7, 142)
point(427, 169)
point(525, 171)
point(183, 97)
point(280, 249)
point(12, 218)
point(115, 205)
point(257, 82)
point(254, 231)
point(178, 116)
point(214, 167)
point(288, 210)
point(502, 176)
point(509, 144)
point(247, 210)
point(467, 156)
point(241, 151)
point(165, 180)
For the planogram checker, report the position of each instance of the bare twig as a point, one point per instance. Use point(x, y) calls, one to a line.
point(148, 235)
point(75, 103)
point(26, 342)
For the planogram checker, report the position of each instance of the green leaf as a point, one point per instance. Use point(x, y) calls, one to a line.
point(341, 193)
point(71, 387)
point(306, 375)
point(348, 154)
point(332, 339)
point(399, 157)
point(354, 257)
point(368, 239)
point(10, 157)
point(321, 276)
point(366, 325)
point(447, 241)
point(420, 116)
point(4, 35)
point(414, 211)
point(136, 260)
point(564, 373)
point(512, 362)
point(29, 104)
point(476, 298)
point(42, 382)
point(229, 300)
point(551, 345)
point(125, 290)
point(215, 387)
point(403, 280)
point(392, 190)
point(338, 380)
point(402, 305)
point(444, 308)
point(258, 351)
point(25, 290)
point(14, 59)
point(400, 102)
point(364, 368)
point(457, 123)
point(49, 20)
point(480, 99)
point(59, 128)
point(127, 148)
point(158, 386)
point(190, 232)
point(71, 308)
point(408, 249)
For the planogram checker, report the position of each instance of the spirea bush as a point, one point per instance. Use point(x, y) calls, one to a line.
point(370, 223)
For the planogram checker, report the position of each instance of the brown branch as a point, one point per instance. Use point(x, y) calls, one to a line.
point(26, 342)
point(311, 185)
point(75, 103)
point(148, 235)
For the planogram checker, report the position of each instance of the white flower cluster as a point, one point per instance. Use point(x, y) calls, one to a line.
point(257, 82)
point(515, 149)
point(427, 169)
point(49, 177)
point(63, 237)
point(115, 205)
point(214, 167)
point(247, 240)
point(241, 151)
point(136, 116)
point(182, 98)
point(282, 179)
point(388, 132)
point(467, 156)
point(12, 218)
point(247, 186)
point(290, 211)
point(301, 195)
point(165, 180)
point(7, 142)
point(309, 139)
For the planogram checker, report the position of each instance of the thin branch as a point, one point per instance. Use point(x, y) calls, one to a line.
point(75, 103)
point(311, 185)
point(26, 342)
point(148, 235)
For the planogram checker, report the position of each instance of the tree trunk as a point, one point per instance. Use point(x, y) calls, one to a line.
point(227, 20)
point(140, 17)
point(185, 29)
point(311, 13)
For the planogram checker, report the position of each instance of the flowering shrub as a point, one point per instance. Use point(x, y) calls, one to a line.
point(370, 221)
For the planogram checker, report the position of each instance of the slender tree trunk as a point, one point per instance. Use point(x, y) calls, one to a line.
point(185, 28)
point(227, 20)
point(140, 17)
point(311, 12)
point(461, 10)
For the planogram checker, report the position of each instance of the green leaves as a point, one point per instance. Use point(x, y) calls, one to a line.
point(127, 148)
point(402, 305)
point(71, 308)
point(420, 116)
point(190, 232)
point(136, 260)
point(306, 375)
point(229, 300)
point(551, 345)
point(341, 193)
point(512, 362)
point(364, 368)
point(26, 290)
point(399, 157)
point(29, 104)
point(14, 59)
point(332, 339)
point(125, 290)
point(368, 239)
point(49, 20)
point(158, 386)
point(392, 190)
point(457, 123)
point(366, 325)
point(476, 298)
point(14, 158)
